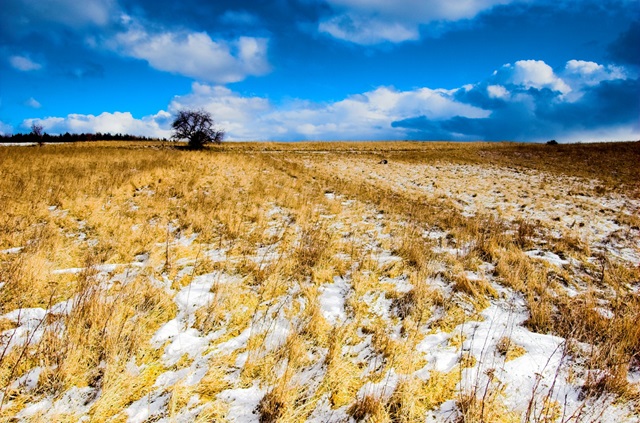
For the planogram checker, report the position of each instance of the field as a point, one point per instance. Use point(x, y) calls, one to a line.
point(320, 282)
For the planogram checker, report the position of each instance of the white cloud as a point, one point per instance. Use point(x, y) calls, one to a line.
point(238, 115)
point(525, 115)
point(364, 116)
point(33, 103)
point(195, 54)
point(581, 72)
point(570, 81)
point(497, 91)
point(117, 122)
point(533, 74)
point(23, 63)
point(376, 21)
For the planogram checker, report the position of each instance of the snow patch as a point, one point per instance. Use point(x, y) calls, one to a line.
point(548, 257)
point(14, 250)
point(243, 404)
point(29, 380)
point(332, 298)
point(149, 406)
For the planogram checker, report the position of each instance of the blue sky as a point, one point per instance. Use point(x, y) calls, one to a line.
point(523, 70)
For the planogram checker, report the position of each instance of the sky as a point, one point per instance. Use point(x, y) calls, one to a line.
point(285, 70)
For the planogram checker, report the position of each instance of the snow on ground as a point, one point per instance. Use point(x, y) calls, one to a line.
point(147, 407)
point(547, 256)
point(266, 255)
point(332, 298)
point(29, 380)
point(561, 205)
point(544, 370)
point(30, 327)
point(243, 403)
point(324, 413)
point(14, 250)
point(75, 401)
point(400, 283)
point(18, 144)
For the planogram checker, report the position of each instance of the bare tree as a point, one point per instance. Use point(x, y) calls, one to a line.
point(196, 126)
point(37, 131)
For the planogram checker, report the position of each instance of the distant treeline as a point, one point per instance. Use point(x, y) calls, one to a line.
point(67, 137)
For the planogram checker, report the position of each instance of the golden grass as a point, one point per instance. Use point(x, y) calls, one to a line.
point(285, 220)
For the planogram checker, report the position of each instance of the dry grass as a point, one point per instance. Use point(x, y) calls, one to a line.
point(414, 248)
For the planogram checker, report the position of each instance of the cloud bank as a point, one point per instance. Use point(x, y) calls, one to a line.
point(118, 122)
point(528, 101)
point(524, 101)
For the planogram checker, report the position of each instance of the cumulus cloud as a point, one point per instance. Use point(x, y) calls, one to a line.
point(529, 101)
point(99, 24)
point(363, 116)
point(238, 115)
point(375, 21)
point(497, 91)
point(526, 101)
point(195, 54)
point(533, 74)
point(580, 73)
point(419, 10)
point(118, 122)
point(24, 63)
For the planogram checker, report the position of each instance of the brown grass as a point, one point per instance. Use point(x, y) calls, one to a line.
point(155, 214)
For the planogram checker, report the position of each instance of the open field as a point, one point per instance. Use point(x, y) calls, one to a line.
point(470, 282)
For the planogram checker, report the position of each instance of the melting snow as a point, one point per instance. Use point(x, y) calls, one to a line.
point(35, 408)
point(29, 380)
point(72, 271)
point(188, 342)
point(233, 344)
point(183, 338)
point(266, 255)
point(401, 283)
point(547, 256)
point(332, 297)
point(149, 406)
point(14, 250)
point(243, 403)
point(30, 327)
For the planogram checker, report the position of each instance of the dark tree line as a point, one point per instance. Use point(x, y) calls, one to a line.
point(33, 137)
